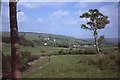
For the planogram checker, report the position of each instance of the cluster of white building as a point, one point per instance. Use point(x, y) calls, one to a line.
point(84, 46)
point(75, 46)
point(48, 40)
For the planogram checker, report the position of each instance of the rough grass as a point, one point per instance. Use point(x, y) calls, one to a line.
point(35, 67)
point(69, 67)
point(37, 50)
point(6, 48)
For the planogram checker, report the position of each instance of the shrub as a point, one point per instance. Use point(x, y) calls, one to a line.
point(61, 52)
point(33, 57)
point(6, 62)
point(25, 57)
point(108, 61)
point(87, 60)
point(42, 51)
point(102, 60)
point(25, 42)
point(73, 52)
point(6, 39)
point(89, 51)
point(55, 53)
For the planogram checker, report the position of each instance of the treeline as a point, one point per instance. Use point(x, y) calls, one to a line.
point(74, 51)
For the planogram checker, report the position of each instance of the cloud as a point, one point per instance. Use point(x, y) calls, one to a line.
point(111, 30)
point(39, 20)
point(81, 5)
point(21, 17)
point(66, 0)
point(40, 4)
point(30, 4)
point(60, 21)
point(112, 12)
point(71, 21)
point(58, 14)
point(53, 18)
point(5, 17)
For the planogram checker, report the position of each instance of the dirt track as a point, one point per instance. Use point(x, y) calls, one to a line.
point(38, 68)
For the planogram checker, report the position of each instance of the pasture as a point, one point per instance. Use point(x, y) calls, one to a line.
point(36, 50)
point(68, 66)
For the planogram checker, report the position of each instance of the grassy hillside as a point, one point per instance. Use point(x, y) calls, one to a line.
point(108, 41)
point(33, 36)
point(50, 39)
point(61, 38)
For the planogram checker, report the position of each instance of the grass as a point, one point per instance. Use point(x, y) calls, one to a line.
point(31, 37)
point(6, 48)
point(64, 66)
point(34, 67)
point(37, 50)
point(69, 67)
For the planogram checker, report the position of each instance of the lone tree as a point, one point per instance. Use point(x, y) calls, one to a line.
point(95, 21)
point(15, 62)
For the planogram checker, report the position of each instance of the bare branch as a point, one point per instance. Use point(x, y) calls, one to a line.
point(17, 1)
point(19, 11)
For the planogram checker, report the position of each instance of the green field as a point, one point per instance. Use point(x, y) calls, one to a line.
point(63, 66)
point(69, 67)
point(37, 50)
point(6, 48)
point(35, 67)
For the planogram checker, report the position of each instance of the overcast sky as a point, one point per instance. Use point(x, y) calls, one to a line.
point(61, 18)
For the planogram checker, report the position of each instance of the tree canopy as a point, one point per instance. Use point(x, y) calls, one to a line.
point(95, 21)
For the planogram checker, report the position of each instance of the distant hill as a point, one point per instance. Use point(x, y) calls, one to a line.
point(108, 41)
point(112, 40)
point(50, 39)
point(59, 39)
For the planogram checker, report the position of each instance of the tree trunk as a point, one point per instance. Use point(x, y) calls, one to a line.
point(96, 41)
point(15, 62)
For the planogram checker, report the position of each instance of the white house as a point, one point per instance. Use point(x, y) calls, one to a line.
point(45, 44)
point(54, 40)
point(47, 38)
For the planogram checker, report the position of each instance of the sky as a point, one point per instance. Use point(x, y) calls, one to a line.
point(61, 18)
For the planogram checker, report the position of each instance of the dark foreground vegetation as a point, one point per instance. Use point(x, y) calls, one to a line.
point(25, 57)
